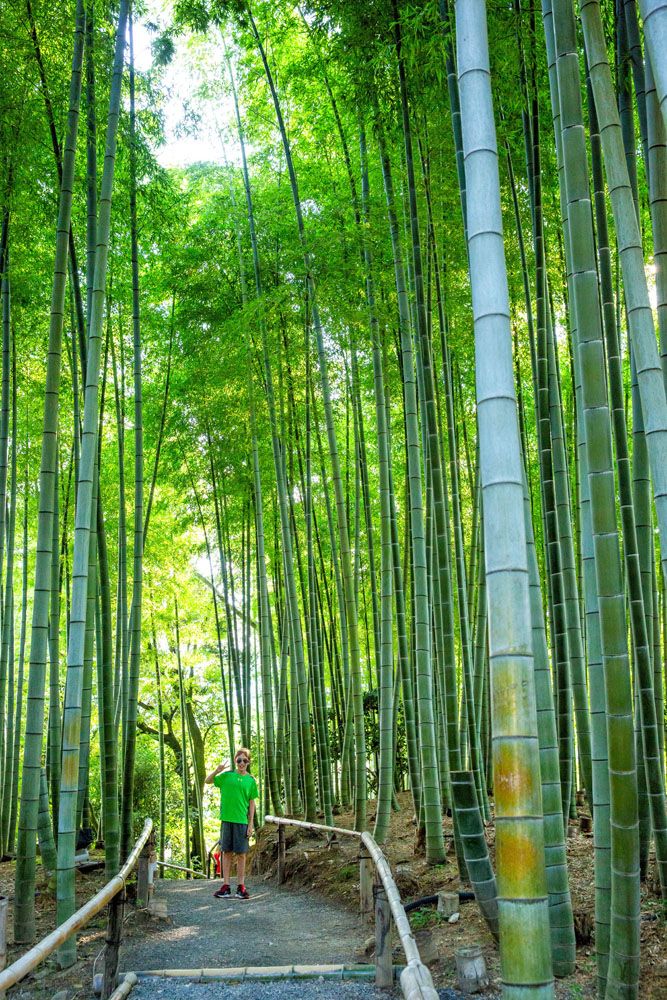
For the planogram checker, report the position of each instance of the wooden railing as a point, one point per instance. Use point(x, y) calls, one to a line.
point(113, 895)
point(190, 872)
point(381, 896)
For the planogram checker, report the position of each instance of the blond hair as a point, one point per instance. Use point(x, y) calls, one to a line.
point(242, 750)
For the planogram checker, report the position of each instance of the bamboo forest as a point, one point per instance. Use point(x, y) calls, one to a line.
point(333, 425)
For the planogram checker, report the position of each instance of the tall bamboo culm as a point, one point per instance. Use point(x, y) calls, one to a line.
point(84, 514)
point(523, 908)
point(24, 907)
point(623, 969)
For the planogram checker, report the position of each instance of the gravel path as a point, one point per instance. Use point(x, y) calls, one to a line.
point(275, 926)
point(161, 989)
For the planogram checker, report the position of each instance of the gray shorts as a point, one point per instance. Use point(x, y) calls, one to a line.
point(234, 837)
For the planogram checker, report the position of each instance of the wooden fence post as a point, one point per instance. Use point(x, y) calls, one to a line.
point(4, 903)
point(144, 869)
point(281, 854)
point(384, 969)
point(113, 938)
point(471, 970)
point(365, 885)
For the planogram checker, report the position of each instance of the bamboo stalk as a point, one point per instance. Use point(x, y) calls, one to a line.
point(522, 888)
point(26, 963)
point(24, 904)
point(654, 16)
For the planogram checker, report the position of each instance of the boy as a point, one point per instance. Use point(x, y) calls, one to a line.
point(238, 791)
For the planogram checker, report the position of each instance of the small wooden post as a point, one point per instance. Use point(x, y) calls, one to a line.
point(448, 904)
point(113, 938)
point(471, 970)
point(281, 854)
point(4, 903)
point(365, 885)
point(384, 969)
point(144, 871)
point(142, 883)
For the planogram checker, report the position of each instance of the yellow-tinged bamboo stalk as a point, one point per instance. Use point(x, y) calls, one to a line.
point(522, 889)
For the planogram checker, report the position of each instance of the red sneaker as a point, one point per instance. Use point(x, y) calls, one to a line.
point(242, 892)
point(224, 890)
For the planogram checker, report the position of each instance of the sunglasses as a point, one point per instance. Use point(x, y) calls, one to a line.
point(242, 760)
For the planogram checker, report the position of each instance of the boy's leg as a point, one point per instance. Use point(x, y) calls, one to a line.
point(240, 847)
point(226, 861)
point(226, 866)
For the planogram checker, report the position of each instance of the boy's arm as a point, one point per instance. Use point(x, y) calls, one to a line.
point(221, 767)
point(251, 816)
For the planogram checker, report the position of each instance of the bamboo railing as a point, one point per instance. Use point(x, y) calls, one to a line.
point(107, 894)
point(384, 897)
point(181, 868)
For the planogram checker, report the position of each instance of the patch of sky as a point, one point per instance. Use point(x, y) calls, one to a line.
point(652, 289)
point(203, 570)
point(310, 207)
point(196, 107)
point(561, 332)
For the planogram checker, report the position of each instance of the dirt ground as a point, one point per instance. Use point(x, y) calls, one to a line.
point(332, 870)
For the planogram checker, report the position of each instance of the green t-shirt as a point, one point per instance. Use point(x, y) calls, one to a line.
point(236, 791)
